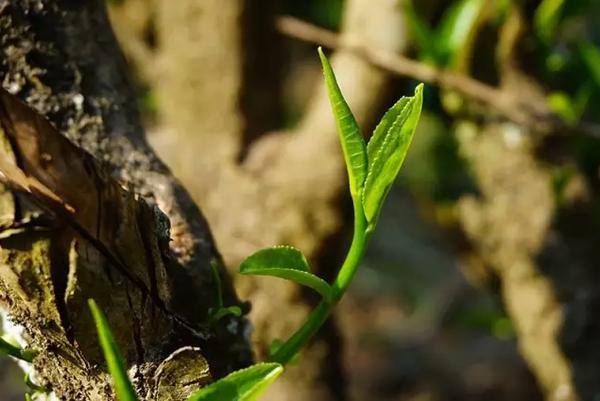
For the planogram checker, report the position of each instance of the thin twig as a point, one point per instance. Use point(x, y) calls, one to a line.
point(505, 103)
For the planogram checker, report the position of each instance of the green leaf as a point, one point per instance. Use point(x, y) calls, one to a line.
point(114, 360)
point(387, 150)
point(546, 18)
point(422, 34)
point(32, 386)
point(383, 128)
point(582, 98)
point(288, 263)
point(445, 46)
point(218, 310)
point(457, 28)
point(590, 55)
point(220, 313)
point(14, 351)
point(243, 385)
point(353, 144)
point(277, 256)
point(563, 105)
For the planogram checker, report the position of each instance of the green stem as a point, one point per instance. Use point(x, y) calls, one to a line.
point(355, 253)
point(16, 352)
point(34, 387)
point(318, 316)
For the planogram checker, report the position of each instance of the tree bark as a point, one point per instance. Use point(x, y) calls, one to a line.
point(61, 58)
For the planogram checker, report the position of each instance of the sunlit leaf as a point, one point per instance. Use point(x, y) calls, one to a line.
point(547, 16)
point(288, 263)
point(277, 256)
point(422, 34)
point(114, 360)
point(383, 128)
point(244, 385)
point(561, 104)
point(353, 144)
point(456, 29)
point(387, 150)
point(14, 351)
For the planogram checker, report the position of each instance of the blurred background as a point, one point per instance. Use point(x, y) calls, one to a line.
point(482, 281)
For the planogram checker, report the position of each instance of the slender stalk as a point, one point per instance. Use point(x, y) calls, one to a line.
point(356, 251)
point(318, 316)
point(293, 344)
point(16, 352)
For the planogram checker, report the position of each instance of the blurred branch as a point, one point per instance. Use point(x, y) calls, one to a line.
point(506, 103)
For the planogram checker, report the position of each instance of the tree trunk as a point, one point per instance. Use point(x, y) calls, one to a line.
point(61, 58)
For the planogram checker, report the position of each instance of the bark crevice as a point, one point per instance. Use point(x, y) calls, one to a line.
point(149, 272)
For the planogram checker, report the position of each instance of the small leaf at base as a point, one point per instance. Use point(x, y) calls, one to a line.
point(217, 314)
point(288, 263)
point(14, 351)
point(243, 385)
point(114, 360)
point(547, 16)
point(278, 256)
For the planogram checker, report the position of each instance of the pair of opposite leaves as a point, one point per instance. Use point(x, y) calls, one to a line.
point(372, 169)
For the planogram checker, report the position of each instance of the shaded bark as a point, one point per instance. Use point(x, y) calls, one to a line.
point(61, 58)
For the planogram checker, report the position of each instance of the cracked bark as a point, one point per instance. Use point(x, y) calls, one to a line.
point(61, 58)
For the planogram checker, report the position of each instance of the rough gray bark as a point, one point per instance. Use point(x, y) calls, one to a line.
point(61, 58)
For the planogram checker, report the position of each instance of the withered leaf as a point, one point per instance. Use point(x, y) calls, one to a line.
point(61, 176)
point(72, 185)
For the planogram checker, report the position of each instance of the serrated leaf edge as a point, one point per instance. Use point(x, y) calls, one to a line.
point(277, 368)
point(371, 142)
point(400, 120)
point(402, 117)
point(286, 247)
point(292, 248)
point(357, 172)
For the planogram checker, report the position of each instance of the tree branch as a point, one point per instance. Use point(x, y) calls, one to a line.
point(506, 103)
